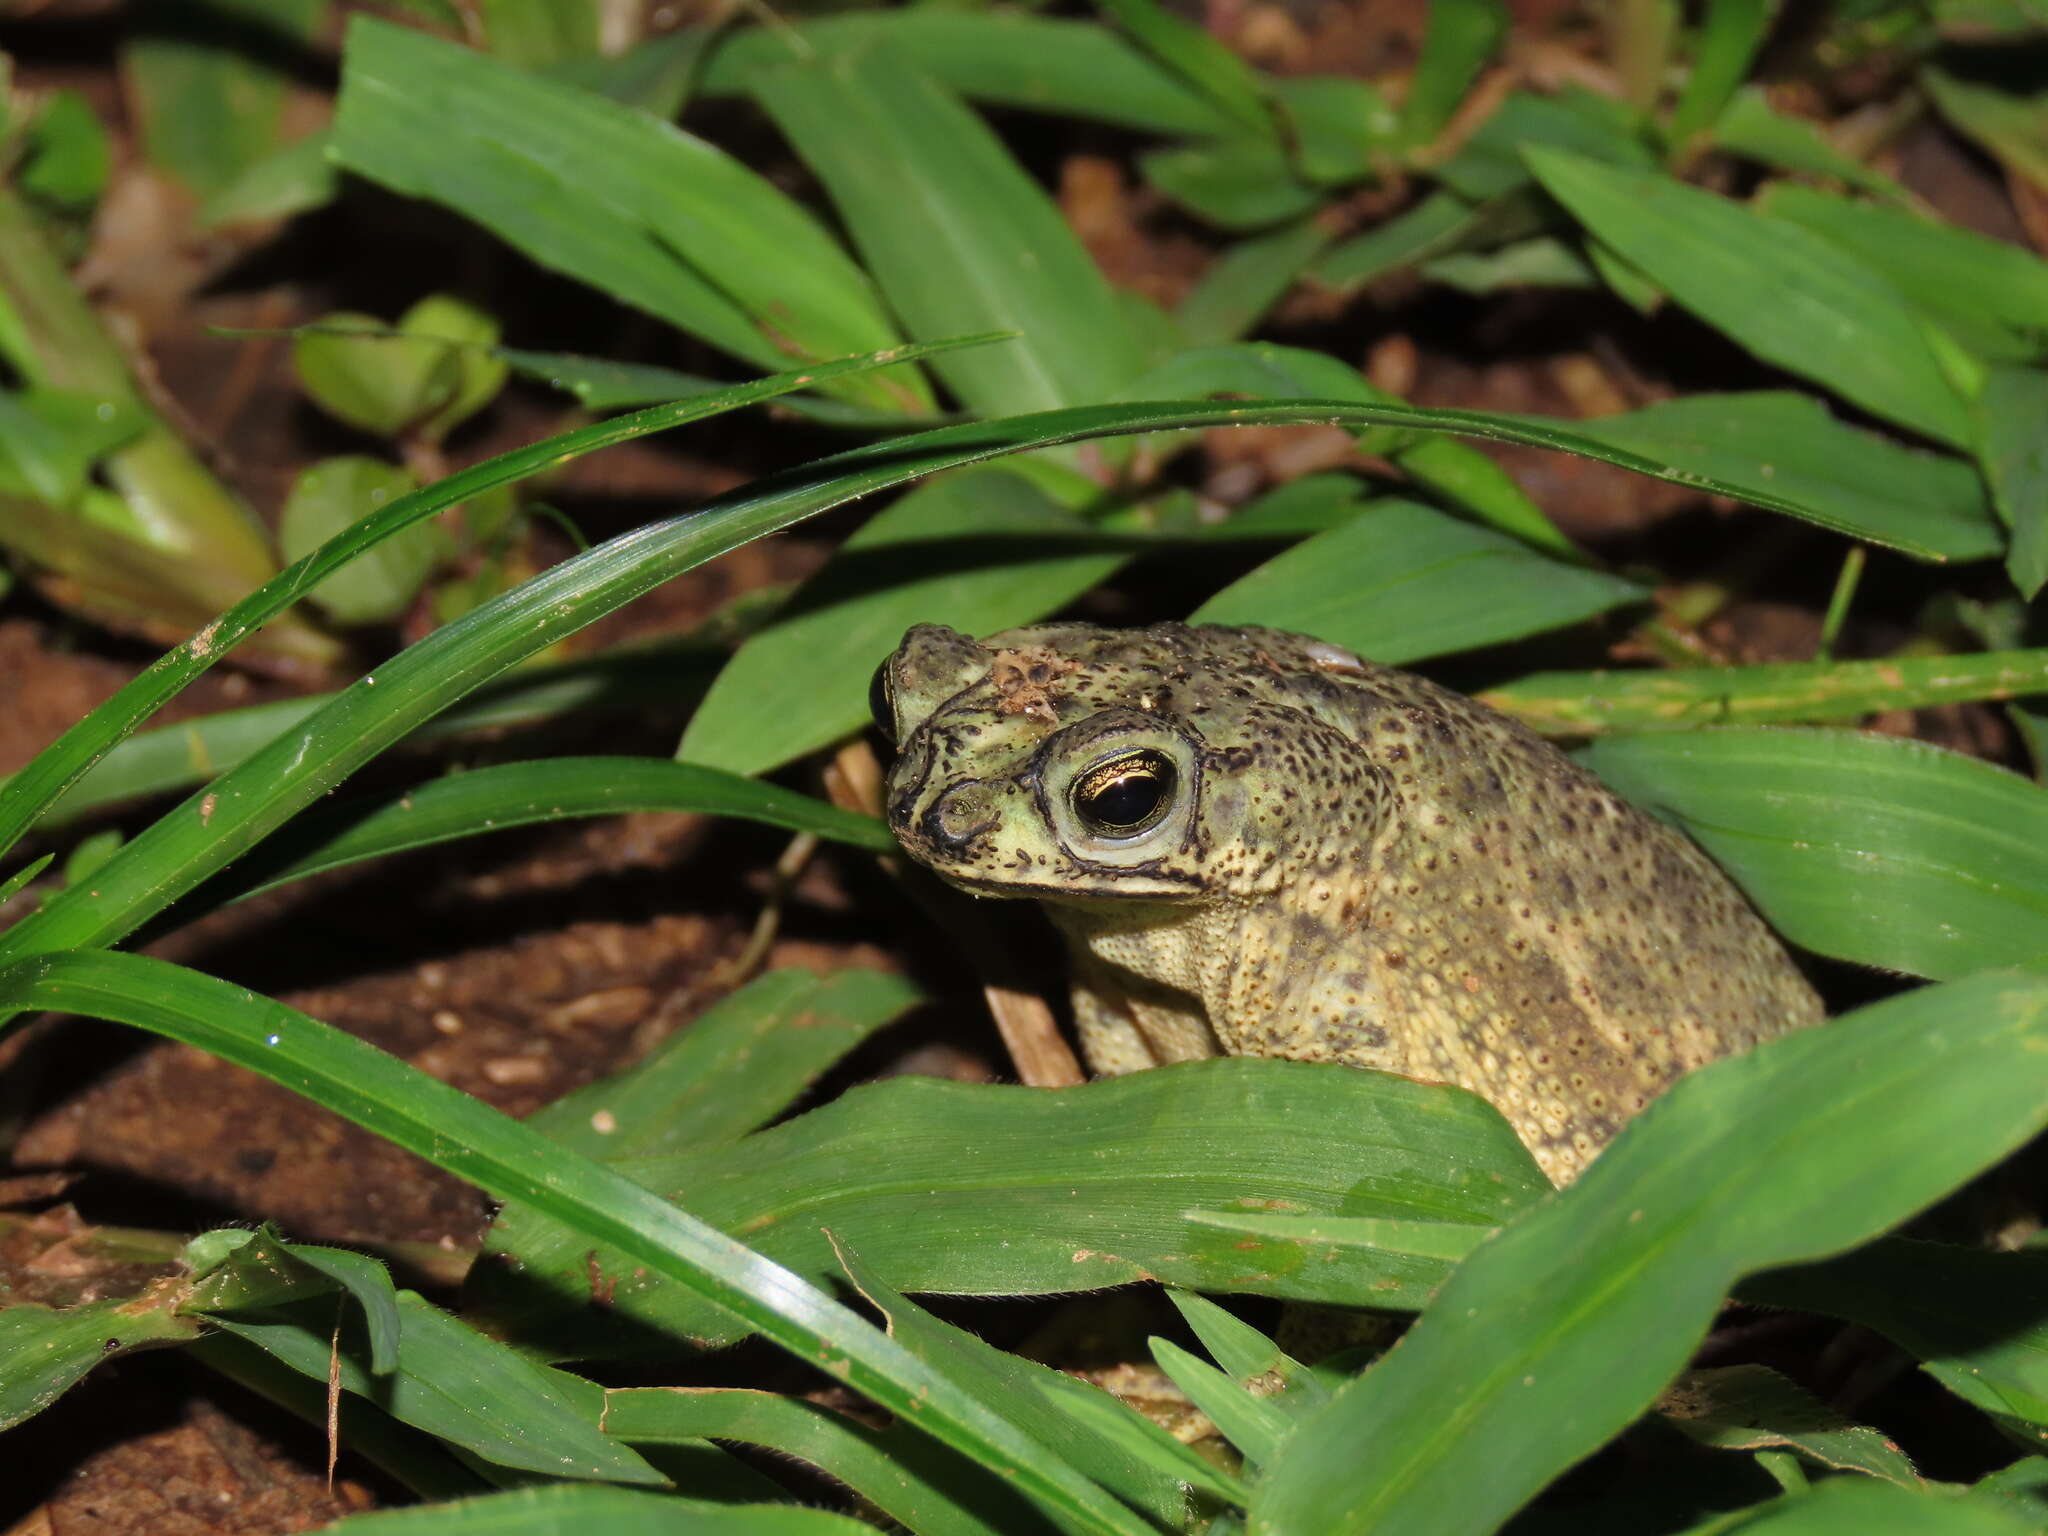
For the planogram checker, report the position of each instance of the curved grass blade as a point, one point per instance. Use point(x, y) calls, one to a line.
point(512, 1161)
point(211, 829)
point(1856, 482)
point(1602, 703)
point(614, 1511)
point(893, 1470)
point(59, 766)
point(548, 789)
point(1557, 1333)
point(1885, 852)
point(192, 751)
point(44, 1351)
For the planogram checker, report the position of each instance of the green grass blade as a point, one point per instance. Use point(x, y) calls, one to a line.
point(613, 1511)
point(466, 1389)
point(951, 226)
point(1360, 1261)
point(1556, 1334)
point(1991, 294)
point(1106, 1438)
point(1200, 60)
point(1246, 281)
point(1729, 37)
point(1885, 852)
point(1071, 68)
point(1831, 318)
point(58, 767)
point(1857, 1506)
point(893, 1470)
point(1255, 1426)
point(514, 1162)
point(611, 196)
point(1403, 581)
point(980, 1190)
point(1605, 703)
point(980, 550)
point(2013, 413)
point(549, 789)
point(741, 1063)
point(1462, 37)
point(1851, 481)
point(212, 829)
point(44, 1351)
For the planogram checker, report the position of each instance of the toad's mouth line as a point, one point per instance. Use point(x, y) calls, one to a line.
point(1053, 890)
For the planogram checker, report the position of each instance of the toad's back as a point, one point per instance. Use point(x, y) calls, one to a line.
point(1257, 843)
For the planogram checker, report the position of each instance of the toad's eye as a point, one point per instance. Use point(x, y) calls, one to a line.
point(1126, 795)
point(881, 706)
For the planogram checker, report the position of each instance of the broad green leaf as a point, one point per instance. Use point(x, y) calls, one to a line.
point(2012, 129)
point(380, 381)
point(295, 179)
point(1392, 1264)
point(1970, 1316)
point(1992, 295)
point(546, 789)
point(1554, 1335)
point(1830, 317)
point(559, 1511)
point(1071, 68)
point(55, 769)
point(1729, 36)
point(331, 497)
point(1751, 126)
point(899, 1472)
point(538, 31)
point(1434, 224)
point(655, 74)
point(1403, 581)
point(983, 1190)
point(1852, 481)
point(608, 195)
point(1097, 1434)
point(1541, 262)
point(954, 231)
point(1868, 848)
point(1462, 36)
point(739, 1065)
point(1489, 164)
point(66, 156)
point(479, 372)
point(1340, 130)
point(511, 1161)
point(463, 1387)
point(982, 550)
point(1604, 703)
point(50, 439)
point(206, 82)
point(1239, 183)
point(1246, 281)
point(1199, 59)
point(44, 1351)
point(2013, 413)
point(1856, 1506)
point(1753, 1408)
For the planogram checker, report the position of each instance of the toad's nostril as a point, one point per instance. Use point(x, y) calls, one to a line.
point(958, 817)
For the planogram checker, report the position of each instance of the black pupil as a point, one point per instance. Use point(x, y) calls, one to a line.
point(1125, 795)
point(879, 705)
